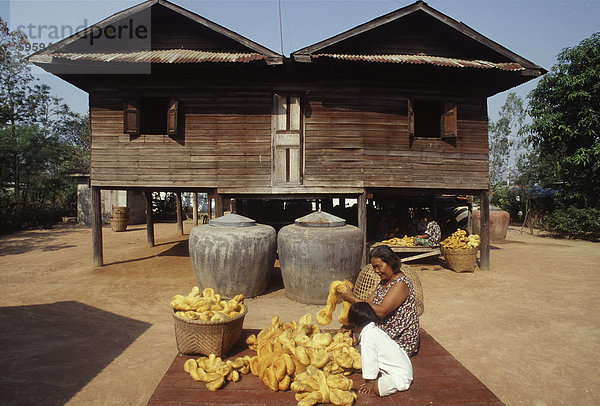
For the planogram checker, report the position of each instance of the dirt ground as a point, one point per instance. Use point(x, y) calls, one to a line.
point(529, 329)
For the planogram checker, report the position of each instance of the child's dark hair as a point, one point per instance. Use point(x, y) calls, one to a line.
point(361, 314)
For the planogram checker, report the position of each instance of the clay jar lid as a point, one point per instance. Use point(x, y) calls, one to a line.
point(232, 220)
point(320, 219)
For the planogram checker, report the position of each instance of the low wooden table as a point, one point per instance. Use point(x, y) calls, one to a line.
point(420, 252)
point(438, 379)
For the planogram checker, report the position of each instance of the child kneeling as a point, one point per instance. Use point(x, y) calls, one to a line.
point(386, 368)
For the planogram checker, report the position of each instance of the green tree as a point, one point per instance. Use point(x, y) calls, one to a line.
point(41, 140)
point(506, 139)
point(15, 105)
point(565, 132)
point(74, 132)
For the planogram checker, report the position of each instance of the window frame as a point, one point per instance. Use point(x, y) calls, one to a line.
point(448, 120)
point(280, 135)
point(132, 120)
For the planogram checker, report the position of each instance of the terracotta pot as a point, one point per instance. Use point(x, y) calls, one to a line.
point(499, 220)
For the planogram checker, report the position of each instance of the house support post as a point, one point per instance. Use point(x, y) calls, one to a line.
point(362, 221)
point(484, 228)
point(97, 258)
point(195, 204)
point(218, 205)
point(470, 216)
point(179, 214)
point(149, 220)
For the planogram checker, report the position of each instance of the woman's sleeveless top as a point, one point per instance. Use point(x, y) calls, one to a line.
point(402, 325)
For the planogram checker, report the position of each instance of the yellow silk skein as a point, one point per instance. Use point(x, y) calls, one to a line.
point(324, 315)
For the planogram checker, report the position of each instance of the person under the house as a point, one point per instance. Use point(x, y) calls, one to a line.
point(382, 227)
point(432, 235)
point(393, 300)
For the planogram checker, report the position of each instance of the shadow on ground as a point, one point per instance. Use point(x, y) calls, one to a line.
point(49, 352)
point(26, 241)
point(179, 249)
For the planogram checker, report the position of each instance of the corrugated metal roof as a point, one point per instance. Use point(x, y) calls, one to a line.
point(426, 59)
point(162, 56)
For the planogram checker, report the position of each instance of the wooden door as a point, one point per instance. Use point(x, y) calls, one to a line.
point(287, 140)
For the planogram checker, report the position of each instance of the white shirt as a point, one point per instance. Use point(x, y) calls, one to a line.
point(380, 353)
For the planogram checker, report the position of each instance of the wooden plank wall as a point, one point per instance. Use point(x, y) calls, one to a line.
point(226, 141)
point(360, 138)
point(353, 138)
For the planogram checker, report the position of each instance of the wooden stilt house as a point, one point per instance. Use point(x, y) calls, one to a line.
point(396, 106)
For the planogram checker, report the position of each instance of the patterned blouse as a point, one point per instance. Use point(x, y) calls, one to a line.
point(434, 232)
point(402, 325)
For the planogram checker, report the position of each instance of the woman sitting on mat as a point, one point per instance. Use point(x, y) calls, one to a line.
point(393, 300)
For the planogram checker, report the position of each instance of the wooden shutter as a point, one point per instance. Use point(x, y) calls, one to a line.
point(411, 119)
point(131, 117)
point(172, 116)
point(448, 122)
point(287, 140)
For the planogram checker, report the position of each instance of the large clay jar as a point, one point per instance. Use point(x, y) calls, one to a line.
point(233, 254)
point(316, 250)
point(499, 221)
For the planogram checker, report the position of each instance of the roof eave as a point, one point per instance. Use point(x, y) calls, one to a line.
point(271, 57)
point(86, 31)
point(359, 29)
point(269, 54)
point(303, 55)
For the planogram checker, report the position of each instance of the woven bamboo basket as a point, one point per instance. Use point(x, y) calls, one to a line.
point(461, 259)
point(120, 218)
point(368, 280)
point(207, 337)
point(418, 288)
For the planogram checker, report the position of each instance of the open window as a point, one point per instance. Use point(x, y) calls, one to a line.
point(432, 119)
point(151, 115)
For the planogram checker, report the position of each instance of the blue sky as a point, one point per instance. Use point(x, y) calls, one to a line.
point(535, 29)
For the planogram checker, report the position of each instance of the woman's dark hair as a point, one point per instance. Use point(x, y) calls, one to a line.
point(388, 256)
point(360, 314)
